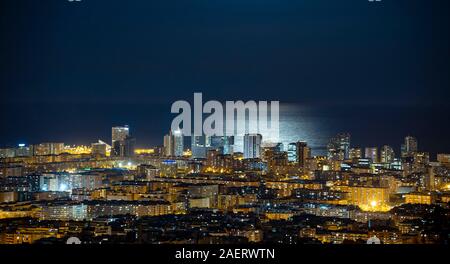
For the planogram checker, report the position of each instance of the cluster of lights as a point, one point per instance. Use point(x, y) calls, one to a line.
point(187, 153)
point(216, 170)
point(127, 165)
point(375, 206)
point(78, 149)
point(144, 151)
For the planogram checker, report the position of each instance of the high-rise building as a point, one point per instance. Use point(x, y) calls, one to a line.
point(128, 146)
point(252, 146)
point(119, 133)
point(387, 154)
point(122, 142)
point(298, 152)
point(371, 153)
point(117, 148)
point(169, 145)
point(303, 153)
point(292, 152)
point(124, 148)
point(338, 147)
point(198, 146)
point(430, 181)
point(409, 147)
point(173, 144)
point(355, 153)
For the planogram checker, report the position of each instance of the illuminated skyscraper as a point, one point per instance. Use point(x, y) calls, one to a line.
point(128, 146)
point(430, 181)
point(122, 142)
point(252, 146)
point(124, 148)
point(371, 153)
point(119, 133)
point(173, 144)
point(303, 153)
point(409, 147)
point(298, 152)
point(198, 146)
point(338, 147)
point(292, 152)
point(387, 154)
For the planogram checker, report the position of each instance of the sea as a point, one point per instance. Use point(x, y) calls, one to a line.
point(368, 125)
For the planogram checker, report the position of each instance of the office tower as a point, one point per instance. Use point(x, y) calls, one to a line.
point(298, 152)
point(338, 147)
point(168, 145)
point(387, 154)
point(252, 146)
point(409, 147)
point(179, 144)
point(292, 152)
point(128, 146)
point(117, 148)
point(119, 133)
point(98, 149)
point(173, 144)
point(198, 147)
point(122, 142)
point(124, 148)
point(303, 153)
point(355, 153)
point(371, 153)
point(430, 183)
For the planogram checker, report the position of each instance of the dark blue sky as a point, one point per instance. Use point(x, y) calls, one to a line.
point(57, 54)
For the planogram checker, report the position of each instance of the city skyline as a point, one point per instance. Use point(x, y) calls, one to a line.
point(339, 147)
point(373, 191)
point(251, 125)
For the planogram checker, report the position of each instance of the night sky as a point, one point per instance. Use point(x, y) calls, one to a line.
point(71, 70)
